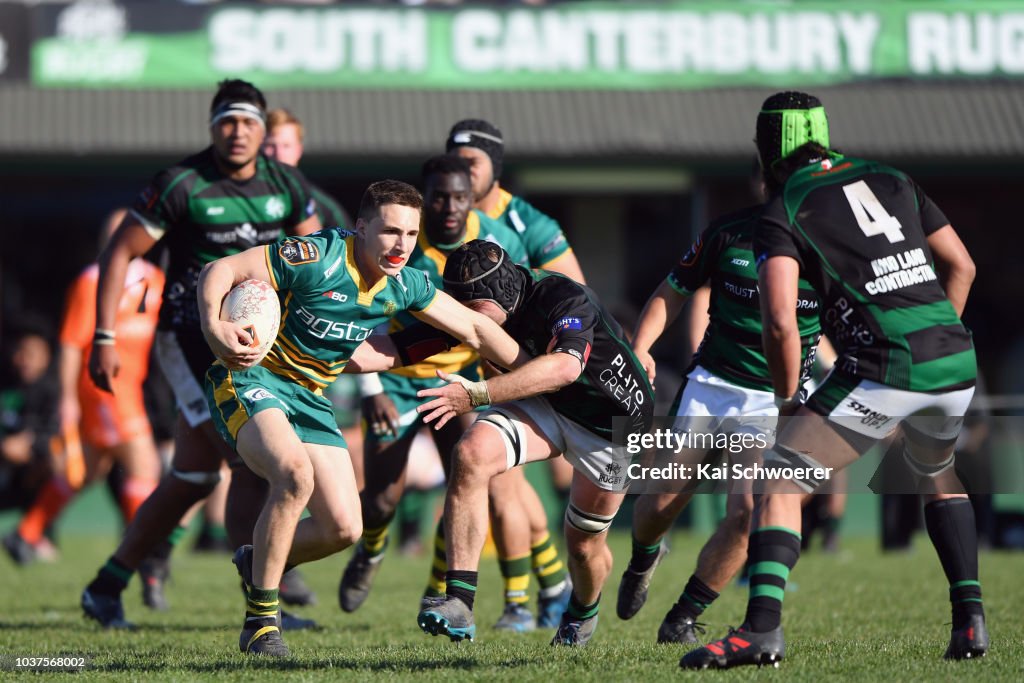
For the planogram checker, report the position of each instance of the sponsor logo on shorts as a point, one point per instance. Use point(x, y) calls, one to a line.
point(612, 474)
point(871, 418)
point(257, 394)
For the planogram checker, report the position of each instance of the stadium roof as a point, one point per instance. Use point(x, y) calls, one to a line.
point(908, 120)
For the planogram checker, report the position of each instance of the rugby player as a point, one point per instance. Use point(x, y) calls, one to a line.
point(220, 201)
point(482, 144)
point(581, 360)
point(727, 390)
point(865, 237)
point(337, 286)
point(448, 222)
point(100, 428)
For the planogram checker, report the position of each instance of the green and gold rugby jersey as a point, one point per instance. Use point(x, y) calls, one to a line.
point(540, 234)
point(202, 215)
point(859, 231)
point(731, 348)
point(431, 260)
point(327, 309)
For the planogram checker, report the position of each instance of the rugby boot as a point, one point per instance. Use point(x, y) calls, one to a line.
point(294, 590)
point(448, 617)
point(153, 574)
point(634, 585)
point(262, 636)
point(573, 632)
point(105, 609)
point(242, 560)
point(970, 641)
point(18, 549)
point(739, 647)
point(516, 618)
point(550, 610)
point(680, 629)
point(357, 579)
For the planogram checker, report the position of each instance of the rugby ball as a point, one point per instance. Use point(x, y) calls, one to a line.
point(253, 304)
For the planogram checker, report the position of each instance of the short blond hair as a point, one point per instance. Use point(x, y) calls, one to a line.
point(282, 117)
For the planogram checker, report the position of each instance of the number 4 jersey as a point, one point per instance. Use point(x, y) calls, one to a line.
point(859, 231)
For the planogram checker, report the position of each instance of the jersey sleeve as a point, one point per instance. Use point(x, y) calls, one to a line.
point(932, 217)
point(696, 265)
point(541, 234)
point(420, 291)
point(295, 262)
point(774, 236)
point(79, 312)
point(164, 202)
point(571, 319)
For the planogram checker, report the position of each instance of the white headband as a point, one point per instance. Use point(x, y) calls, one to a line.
point(245, 109)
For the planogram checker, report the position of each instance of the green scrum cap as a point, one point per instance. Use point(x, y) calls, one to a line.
point(787, 121)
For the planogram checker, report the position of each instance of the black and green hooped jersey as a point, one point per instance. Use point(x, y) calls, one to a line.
point(330, 212)
point(202, 215)
point(327, 309)
point(859, 231)
point(431, 260)
point(540, 234)
point(731, 348)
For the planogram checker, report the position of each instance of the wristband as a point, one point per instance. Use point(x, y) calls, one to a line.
point(478, 393)
point(781, 402)
point(369, 384)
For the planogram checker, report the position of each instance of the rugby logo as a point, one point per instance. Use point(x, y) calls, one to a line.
point(257, 394)
point(274, 208)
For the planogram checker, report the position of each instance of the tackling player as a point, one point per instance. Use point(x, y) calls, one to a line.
point(865, 237)
point(336, 286)
point(581, 360)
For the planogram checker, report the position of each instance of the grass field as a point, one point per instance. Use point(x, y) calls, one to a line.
point(853, 615)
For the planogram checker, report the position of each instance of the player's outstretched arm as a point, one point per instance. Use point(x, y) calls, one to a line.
point(956, 267)
point(778, 280)
point(541, 375)
point(481, 333)
point(227, 340)
point(131, 239)
point(568, 265)
point(659, 312)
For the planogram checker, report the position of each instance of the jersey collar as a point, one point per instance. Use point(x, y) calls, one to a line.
point(504, 199)
point(365, 294)
point(440, 257)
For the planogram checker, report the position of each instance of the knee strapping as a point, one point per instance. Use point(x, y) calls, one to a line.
point(207, 480)
point(927, 470)
point(783, 456)
point(587, 522)
point(512, 436)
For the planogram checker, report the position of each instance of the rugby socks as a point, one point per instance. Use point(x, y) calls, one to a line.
point(374, 542)
point(644, 556)
point(515, 571)
point(436, 580)
point(577, 610)
point(773, 551)
point(261, 604)
point(462, 585)
point(45, 509)
point(697, 596)
point(950, 525)
point(548, 567)
point(112, 578)
point(134, 493)
point(163, 550)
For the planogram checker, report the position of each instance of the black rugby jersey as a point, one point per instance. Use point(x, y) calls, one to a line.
point(558, 315)
point(859, 231)
point(202, 215)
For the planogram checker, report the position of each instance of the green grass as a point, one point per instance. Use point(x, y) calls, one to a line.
point(856, 615)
